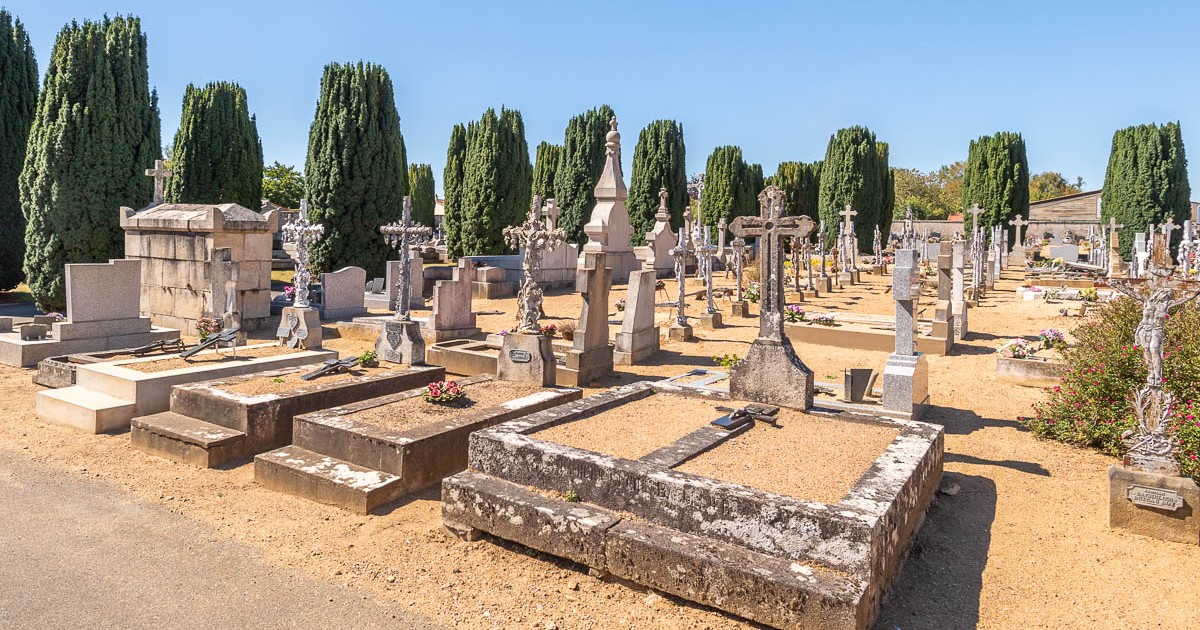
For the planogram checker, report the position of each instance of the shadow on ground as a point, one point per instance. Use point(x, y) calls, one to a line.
point(939, 585)
point(965, 421)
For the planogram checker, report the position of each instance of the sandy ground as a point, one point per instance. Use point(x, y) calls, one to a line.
point(1019, 541)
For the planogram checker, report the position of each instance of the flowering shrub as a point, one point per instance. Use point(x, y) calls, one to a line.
point(1052, 338)
point(503, 332)
point(1017, 349)
point(443, 391)
point(289, 291)
point(1092, 406)
point(621, 305)
point(207, 326)
point(753, 292)
point(549, 330)
point(1089, 294)
point(823, 320)
point(793, 313)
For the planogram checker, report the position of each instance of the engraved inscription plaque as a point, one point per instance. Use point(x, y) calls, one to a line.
point(1159, 498)
point(520, 356)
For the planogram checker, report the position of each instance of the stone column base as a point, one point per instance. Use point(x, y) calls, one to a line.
point(680, 333)
point(740, 308)
point(823, 285)
point(772, 373)
point(1178, 518)
point(581, 367)
point(906, 384)
point(401, 342)
point(299, 327)
point(710, 321)
point(526, 358)
point(635, 347)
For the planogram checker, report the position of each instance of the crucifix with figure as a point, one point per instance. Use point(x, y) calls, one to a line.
point(299, 324)
point(772, 373)
point(160, 174)
point(401, 340)
point(849, 240)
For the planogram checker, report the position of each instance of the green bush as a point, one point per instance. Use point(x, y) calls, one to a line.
point(1092, 406)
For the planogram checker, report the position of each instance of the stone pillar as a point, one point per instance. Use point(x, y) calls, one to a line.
point(906, 376)
point(638, 338)
point(592, 356)
point(942, 318)
point(958, 301)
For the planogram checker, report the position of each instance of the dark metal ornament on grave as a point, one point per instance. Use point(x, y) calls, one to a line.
point(400, 341)
point(772, 373)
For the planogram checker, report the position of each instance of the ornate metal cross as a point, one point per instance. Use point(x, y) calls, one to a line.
point(707, 252)
point(398, 236)
point(770, 227)
point(877, 245)
point(909, 233)
point(739, 247)
point(303, 234)
point(160, 175)
point(680, 253)
point(534, 239)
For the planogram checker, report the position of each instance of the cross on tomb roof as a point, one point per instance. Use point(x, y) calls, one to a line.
point(160, 175)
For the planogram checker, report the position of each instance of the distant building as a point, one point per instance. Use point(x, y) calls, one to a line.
point(1084, 206)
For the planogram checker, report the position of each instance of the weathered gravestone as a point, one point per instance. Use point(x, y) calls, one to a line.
point(401, 341)
point(906, 376)
point(591, 356)
point(958, 299)
point(656, 254)
point(300, 324)
point(771, 372)
point(1016, 258)
point(710, 319)
point(638, 338)
point(680, 329)
point(341, 293)
point(943, 319)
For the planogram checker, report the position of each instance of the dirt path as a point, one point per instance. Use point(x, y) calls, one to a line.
point(1023, 544)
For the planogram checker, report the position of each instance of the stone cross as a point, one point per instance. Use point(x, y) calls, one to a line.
point(909, 232)
point(1169, 227)
point(551, 212)
point(975, 212)
point(771, 226)
point(535, 239)
point(303, 234)
point(906, 287)
point(706, 253)
point(1185, 248)
point(664, 213)
point(1113, 256)
point(848, 239)
point(680, 253)
point(398, 236)
point(1019, 223)
point(877, 245)
point(160, 175)
point(722, 225)
point(1152, 446)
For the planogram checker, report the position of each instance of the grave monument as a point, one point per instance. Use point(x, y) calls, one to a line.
point(591, 356)
point(710, 319)
point(656, 254)
point(906, 376)
point(526, 355)
point(772, 372)
point(608, 230)
point(680, 330)
point(638, 338)
point(300, 323)
point(401, 340)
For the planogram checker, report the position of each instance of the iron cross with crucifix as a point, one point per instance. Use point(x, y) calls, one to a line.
point(399, 236)
point(770, 228)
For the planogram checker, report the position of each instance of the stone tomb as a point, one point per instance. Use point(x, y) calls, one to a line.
point(213, 423)
point(175, 243)
point(638, 338)
point(366, 454)
point(380, 293)
point(672, 508)
point(106, 396)
point(102, 314)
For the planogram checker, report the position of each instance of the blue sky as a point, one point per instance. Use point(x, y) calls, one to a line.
point(775, 78)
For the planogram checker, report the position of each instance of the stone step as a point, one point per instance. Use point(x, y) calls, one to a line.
point(85, 409)
point(304, 473)
point(185, 439)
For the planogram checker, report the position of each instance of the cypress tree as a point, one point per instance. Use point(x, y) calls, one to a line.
point(1146, 181)
point(800, 182)
point(888, 179)
point(751, 186)
point(544, 167)
point(18, 98)
point(515, 183)
point(356, 170)
point(727, 184)
point(850, 175)
point(996, 178)
point(658, 161)
point(497, 181)
point(95, 132)
point(579, 169)
point(217, 156)
point(421, 189)
point(452, 181)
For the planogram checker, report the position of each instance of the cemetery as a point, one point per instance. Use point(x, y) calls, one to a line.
point(593, 382)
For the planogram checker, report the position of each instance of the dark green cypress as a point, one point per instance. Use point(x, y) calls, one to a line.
point(1146, 181)
point(95, 132)
point(727, 184)
point(580, 168)
point(658, 161)
point(422, 190)
point(496, 183)
point(888, 179)
point(18, 100)
point(751, 186)
point(452, 181)
point(515, 176)
point(544, 167)
point(996, 178)
point(357, 170)
point(217, 156)
point(851, 175)
point(801, 183)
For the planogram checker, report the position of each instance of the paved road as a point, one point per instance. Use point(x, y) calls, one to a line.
point(78, 553)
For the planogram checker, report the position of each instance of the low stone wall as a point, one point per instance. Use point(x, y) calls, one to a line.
point(1033, 372)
